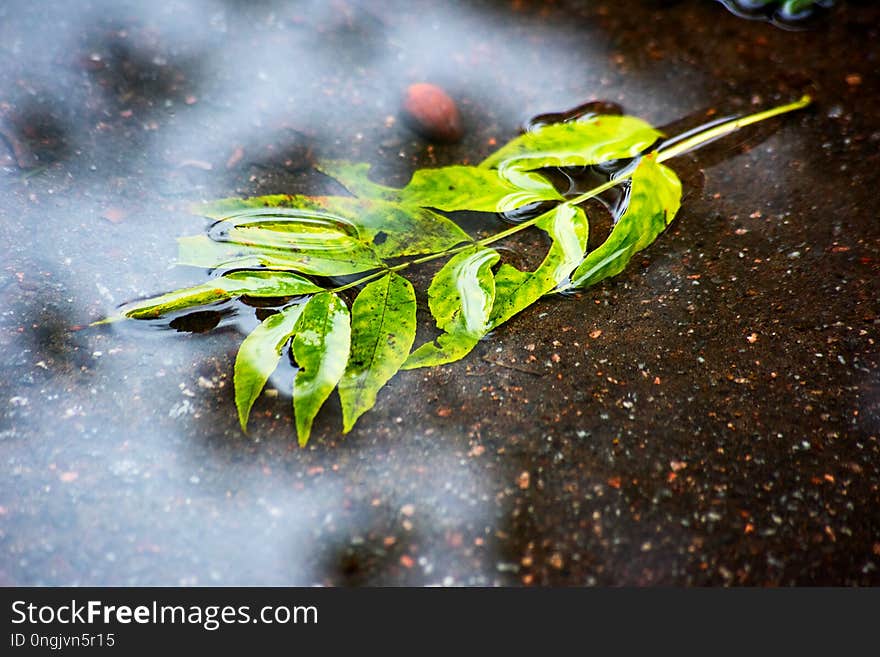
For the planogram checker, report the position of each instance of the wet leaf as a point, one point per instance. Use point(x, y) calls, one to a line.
point(290, 237)
point(450, 188)
point(516, 290)
point(393, 230)
point(281, 236)
point(576, 143)
point(390, 230)
point(233, 284)
point(278, 206)
point(202, 251)
point(383, 324)
point(472, 188)
point(320, 347)
point(258, 357)
point(655, 196)
point(411, 231)
point(355, 177)
point(460, 297)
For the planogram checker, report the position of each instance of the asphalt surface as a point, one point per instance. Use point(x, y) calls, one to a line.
point(709, 417)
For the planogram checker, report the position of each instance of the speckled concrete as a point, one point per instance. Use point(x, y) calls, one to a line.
point(709, 417)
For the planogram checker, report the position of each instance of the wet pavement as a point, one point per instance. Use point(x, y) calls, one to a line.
point(709, 417)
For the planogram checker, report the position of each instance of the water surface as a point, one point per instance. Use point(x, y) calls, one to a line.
point(711, 416)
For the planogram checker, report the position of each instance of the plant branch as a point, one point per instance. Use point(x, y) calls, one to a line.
point(674, 150)
point(724, 129)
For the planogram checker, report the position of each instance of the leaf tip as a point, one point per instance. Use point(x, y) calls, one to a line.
point(243, 420)
point(303, 430)
point(107, 320)
point(348, 421)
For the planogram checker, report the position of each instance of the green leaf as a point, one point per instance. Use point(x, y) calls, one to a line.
point(258, 357)
point(233, 284)
point(267, 284)
point(460, 296)
point(394, 230)
point(516, 290)
point(448, 188)
point(277, 206)
point(289, 237)
point(320, 347)
point(471, 188)
point(383, 330)
point(388, 229)
point(315, 238)
point(355, 177)
point(790, 7)
point(202, 251)
point(576, 143)
point(277, 237)
point(654, 198)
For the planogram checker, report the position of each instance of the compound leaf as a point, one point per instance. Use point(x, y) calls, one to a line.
point(383, 330)
point(258, 357)
point(460, 296)
point(276, 238)
point(320, 347)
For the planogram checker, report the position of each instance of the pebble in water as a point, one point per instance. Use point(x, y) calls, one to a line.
point(431, 112)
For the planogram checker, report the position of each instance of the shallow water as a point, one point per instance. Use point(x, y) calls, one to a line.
point(711, 416)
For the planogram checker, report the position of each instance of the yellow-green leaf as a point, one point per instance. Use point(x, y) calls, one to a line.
point(320, 347)
point(233, 284)
point(383, 323)
point(355, 177)
point(576, 143)
point(202, 251)
point(448, 188)
point(473, 188)
point(337, 236)
point(258, 357)
point(390, 230)
point(515, 290)
point(654, 198)
point(460, 296)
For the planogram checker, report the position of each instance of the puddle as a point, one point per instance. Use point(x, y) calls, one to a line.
point(547, 456)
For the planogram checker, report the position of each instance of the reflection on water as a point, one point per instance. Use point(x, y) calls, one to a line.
point(123, 459)
point(126, 465)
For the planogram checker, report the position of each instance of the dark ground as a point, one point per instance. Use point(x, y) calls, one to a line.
point(709, 417)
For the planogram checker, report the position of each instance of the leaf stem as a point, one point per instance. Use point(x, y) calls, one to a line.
point(404, 265)
point(726, 128)
point(673, 150)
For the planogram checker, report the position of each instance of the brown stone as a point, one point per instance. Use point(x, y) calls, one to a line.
point(432, 113)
